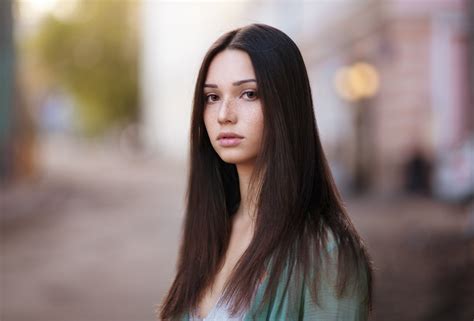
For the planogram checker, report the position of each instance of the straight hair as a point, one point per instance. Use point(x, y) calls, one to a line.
point(297, 199)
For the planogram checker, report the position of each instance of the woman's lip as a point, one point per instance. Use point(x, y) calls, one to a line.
point(228, 135)
point(229, 141)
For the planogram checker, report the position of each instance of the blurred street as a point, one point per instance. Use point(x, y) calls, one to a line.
point(96, 239)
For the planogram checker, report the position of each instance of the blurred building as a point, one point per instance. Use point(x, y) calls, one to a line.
point(16, 135)
point(422, 107)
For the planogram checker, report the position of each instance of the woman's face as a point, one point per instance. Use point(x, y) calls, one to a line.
point(233, 112)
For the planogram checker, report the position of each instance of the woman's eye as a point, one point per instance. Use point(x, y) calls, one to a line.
point(211, 98)
point(252, 95)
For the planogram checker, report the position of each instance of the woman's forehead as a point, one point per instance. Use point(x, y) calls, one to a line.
point(230, 67)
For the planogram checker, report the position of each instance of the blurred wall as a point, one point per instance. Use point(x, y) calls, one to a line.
point(175, 38)
point(6, 89)
point(17, 133)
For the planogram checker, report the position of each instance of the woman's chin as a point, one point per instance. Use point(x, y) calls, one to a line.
point(235, 158)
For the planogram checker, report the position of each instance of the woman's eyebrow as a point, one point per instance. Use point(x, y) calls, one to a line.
point(237, 83)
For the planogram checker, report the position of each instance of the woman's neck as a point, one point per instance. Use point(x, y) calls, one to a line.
point(246, 214)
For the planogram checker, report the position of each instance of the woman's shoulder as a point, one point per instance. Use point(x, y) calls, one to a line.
point(326, 299)
point(294, 298)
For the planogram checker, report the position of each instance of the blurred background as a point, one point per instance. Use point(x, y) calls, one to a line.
point(95, 105)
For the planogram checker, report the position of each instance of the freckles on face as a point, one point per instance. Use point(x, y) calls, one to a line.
point(233, 107)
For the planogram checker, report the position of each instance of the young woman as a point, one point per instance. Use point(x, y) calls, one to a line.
point(266, 235)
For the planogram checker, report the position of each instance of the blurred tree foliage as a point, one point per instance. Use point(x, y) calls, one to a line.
point(93, 54)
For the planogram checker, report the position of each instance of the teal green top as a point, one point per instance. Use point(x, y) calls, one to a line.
point(294, 302)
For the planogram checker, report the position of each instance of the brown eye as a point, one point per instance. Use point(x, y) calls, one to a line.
point(211, 97)
point(252, 95)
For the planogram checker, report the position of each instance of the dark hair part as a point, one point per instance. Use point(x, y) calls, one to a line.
point(297, 199)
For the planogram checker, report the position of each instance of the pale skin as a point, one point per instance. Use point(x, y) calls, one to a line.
point(233, 105)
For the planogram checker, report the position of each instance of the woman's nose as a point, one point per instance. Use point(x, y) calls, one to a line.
point(227, 112)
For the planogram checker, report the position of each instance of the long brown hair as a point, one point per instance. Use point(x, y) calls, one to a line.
point(296, 193)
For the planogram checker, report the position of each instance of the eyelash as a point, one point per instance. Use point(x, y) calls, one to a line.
point(245, 92)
